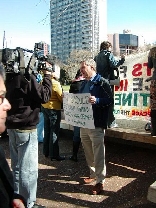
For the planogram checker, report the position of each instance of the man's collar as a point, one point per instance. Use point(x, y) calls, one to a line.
point(93, 77)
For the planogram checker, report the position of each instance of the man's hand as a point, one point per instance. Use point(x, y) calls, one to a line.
point(92, 99)
point(46, 72)
point(122, 56)
point(48, 69)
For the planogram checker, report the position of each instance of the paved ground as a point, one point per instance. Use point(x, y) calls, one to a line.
point(130, 172)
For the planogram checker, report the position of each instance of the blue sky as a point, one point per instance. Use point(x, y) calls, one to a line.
point(139, 16)
point(24, 22)
point(27, 21)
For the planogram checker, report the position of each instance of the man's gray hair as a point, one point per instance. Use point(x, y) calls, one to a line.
point(90, 62)
point(2, 72)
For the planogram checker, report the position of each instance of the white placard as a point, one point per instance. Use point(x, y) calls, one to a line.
point(77, 110)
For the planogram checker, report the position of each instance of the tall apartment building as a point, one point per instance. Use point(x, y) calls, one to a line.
point(77, 24)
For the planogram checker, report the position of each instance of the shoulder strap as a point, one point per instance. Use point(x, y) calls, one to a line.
point(21, 61)
point(25, 70)
point(103, 81)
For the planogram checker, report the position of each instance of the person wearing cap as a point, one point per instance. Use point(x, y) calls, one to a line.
point(52, 119)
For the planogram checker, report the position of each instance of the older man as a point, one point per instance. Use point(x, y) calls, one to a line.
point(93, 139)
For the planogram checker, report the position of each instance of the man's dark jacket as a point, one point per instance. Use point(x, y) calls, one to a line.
point(100, 88)
point(6, 184)
point(106, 63)
point(25, 96)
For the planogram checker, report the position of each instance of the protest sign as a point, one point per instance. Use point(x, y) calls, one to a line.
point(78, 110)
point(132, 97)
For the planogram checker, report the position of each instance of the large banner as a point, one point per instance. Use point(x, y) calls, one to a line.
point(77, 110)
point(132, 96)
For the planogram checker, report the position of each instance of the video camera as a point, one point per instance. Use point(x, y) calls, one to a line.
point(24, 61)
point(42, 64)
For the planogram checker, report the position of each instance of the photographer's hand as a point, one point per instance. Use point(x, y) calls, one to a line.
point(46, 72)
point(48, 69)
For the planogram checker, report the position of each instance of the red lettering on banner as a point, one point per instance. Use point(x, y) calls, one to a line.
point(126, 84)
point(123, 85)
point(136, 72)
point(141, 112)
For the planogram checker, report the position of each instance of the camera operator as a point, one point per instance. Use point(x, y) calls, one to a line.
point(25, 96)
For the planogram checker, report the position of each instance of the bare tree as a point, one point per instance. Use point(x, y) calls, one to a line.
point(73, 62)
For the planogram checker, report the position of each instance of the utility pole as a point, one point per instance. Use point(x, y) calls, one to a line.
point(3, 39)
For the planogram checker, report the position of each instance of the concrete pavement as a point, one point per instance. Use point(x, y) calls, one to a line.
point(130, 172)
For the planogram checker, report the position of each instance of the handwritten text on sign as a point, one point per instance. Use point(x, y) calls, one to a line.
point(77, 110)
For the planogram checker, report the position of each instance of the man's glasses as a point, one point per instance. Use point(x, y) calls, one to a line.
point(2, 97)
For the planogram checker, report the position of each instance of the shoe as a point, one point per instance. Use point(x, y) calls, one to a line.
point(73, 158)
point(38, 206)
point(114, 125)
point(59, 158)
point(88, 180)
point(97, 188)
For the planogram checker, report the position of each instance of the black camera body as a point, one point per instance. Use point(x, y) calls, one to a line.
point(42, 64)
point(9, 58)
point(24, 61)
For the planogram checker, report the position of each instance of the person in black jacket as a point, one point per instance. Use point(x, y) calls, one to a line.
point(8, 199)
point(75, 88)
point(105, 65)
point(25, 95)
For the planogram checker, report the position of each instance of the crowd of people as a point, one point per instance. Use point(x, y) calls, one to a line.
point(23, 100)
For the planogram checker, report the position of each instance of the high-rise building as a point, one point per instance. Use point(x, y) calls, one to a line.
point(77, 24)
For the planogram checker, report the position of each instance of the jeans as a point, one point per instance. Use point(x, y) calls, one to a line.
point(24, 162)
point(76, 136)
point(40, 128)
point(94, 148)
point(52, 119)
